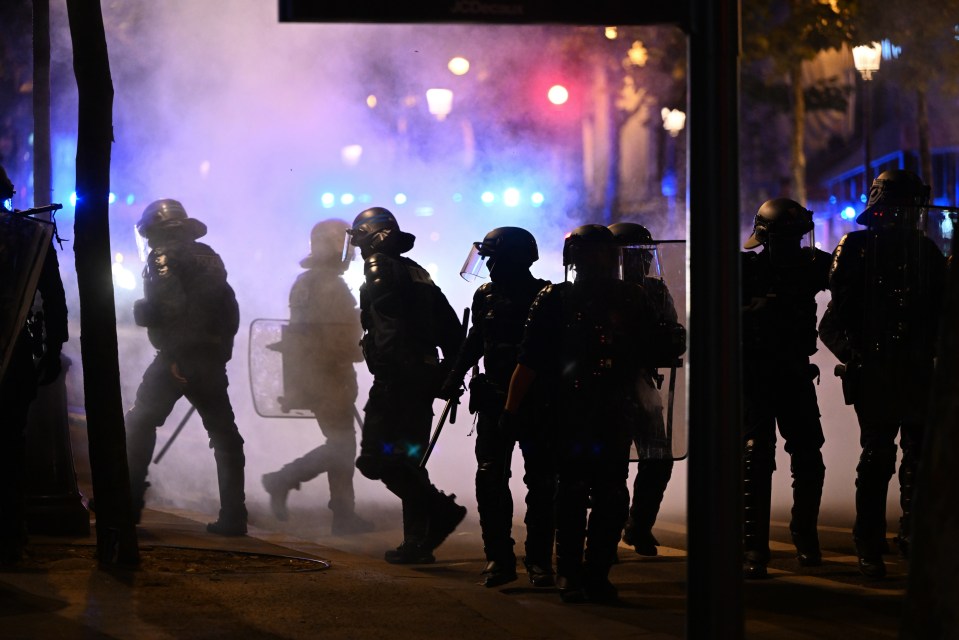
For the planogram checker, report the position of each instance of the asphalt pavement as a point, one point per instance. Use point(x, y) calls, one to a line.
point(294, 580)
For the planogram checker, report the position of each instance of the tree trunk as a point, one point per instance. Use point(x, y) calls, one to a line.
point(925, 153)
point(116, 533)
point(42, 187)
point(797, 163)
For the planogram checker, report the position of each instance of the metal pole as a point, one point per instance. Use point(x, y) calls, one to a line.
point(714, 513)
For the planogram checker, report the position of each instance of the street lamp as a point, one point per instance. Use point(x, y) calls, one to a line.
point(440, 102)
point(673, 122)
point(867, 58)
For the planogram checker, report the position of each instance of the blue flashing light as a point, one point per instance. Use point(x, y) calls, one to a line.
point(413, 451)
point(347, 198)
point(832, 199)
point(457, 197)
point(130, 199)
point(73, 199)
point(537, 199)
point(511, 197)
point(424, 212)
point(400, 198)
point(7, 205)
point(365, 197)
point(112, 198)
point(327, 200)
point(487, 197)
point(848, 213)
point(863, 198)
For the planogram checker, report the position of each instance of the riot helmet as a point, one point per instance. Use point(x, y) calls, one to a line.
point(896, 198)
point(376, 230)
point(781, 222)
point(326, 249)
point(590, 253)
point(504, 249)
point(638, 254)
point(163, 220)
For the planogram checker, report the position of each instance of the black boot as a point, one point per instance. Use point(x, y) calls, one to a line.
point(758, 465)
point(808, 472)
point(871, 564)
point(444, 516)
point(876, 466)
point(278, 491)
point(649, 486)
point(413, 549)
point(230, 477)
point(499, 572)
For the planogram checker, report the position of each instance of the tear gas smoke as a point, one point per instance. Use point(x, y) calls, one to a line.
point(245, 121)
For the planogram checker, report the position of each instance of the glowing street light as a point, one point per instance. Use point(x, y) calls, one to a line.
point(458, 66)
point(673, 121)
point(440, 102)
point(557, 94)
point(867, 58)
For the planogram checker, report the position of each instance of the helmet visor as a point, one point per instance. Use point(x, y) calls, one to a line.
point(639, 262)
point(143, 246)
point(349, 250)
point(476, 264)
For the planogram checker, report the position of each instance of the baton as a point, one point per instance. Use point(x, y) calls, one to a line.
point(175, 434)
point(436, 434)
point(359, 419)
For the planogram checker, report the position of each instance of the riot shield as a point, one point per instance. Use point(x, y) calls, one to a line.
point(270, 369)
point(287, 374)
point(663, 430)
point(23, 247)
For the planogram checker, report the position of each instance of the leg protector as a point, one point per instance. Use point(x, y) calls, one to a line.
point(808, 472)
point(495, 504)
point(876, 466)
point(230, 477)
point(758, 465)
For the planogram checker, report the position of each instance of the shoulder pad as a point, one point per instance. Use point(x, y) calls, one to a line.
point(379, 268)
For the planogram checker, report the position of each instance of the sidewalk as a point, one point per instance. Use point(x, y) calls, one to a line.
point(194, 585)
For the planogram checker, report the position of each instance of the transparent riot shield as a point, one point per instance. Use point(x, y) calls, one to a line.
point(23, 247)
point(663, 430)
point(275, 386)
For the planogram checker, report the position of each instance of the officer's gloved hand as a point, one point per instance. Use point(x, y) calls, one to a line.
point(451, 389)
point(48, 367)
point(509, 426)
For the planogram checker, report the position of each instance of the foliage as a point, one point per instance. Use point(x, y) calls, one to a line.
point(926, 31)
point(790, 31)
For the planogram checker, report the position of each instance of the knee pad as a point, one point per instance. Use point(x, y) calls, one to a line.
point(877, 463)
point(227, 442)
point(807, 463)
point(370, 467)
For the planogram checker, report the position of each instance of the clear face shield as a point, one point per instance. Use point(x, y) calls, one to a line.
point(349, 251)
point(143, 245)
point(595, 263)
point(476, 264)
point(640, 262)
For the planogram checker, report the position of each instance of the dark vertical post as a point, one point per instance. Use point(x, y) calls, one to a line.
point(867, 133)
point(932, 595)
point(116, 533)
point(42, 188)
point(714, 606)
point(54, 504)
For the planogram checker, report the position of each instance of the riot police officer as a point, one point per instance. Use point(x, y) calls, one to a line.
point(322, 343)
point(655, 466)
point(780, 284)
point(887, 283)
point(588, 339)
point(34, 360)
point(405, 317)
point(499, 313)
point(191, 316)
